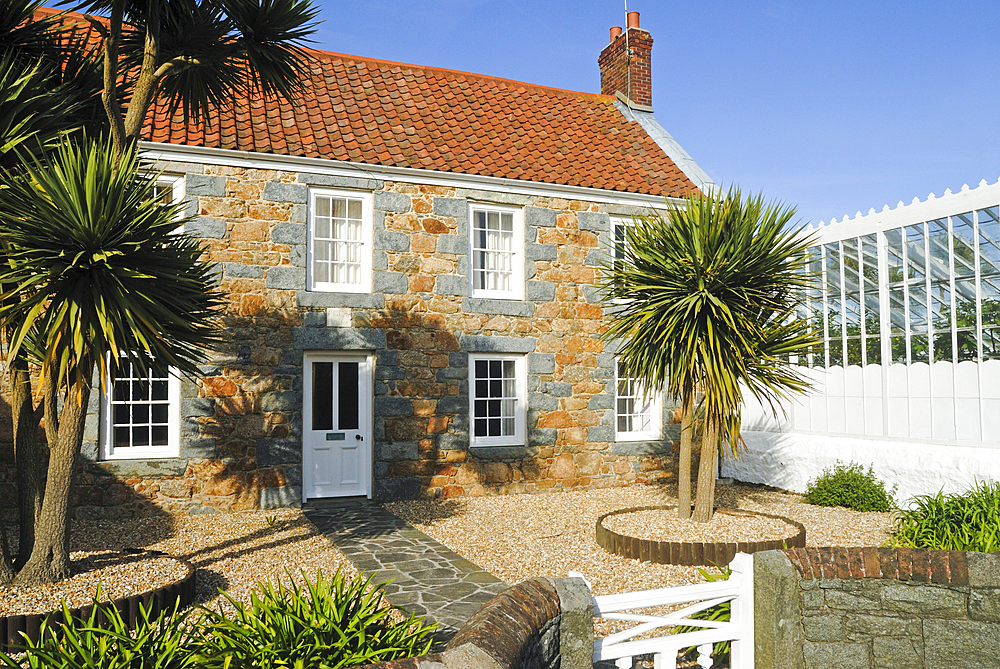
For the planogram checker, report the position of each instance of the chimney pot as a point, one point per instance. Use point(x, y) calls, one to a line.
point(625, 64)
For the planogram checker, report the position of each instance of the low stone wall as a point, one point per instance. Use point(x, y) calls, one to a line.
point(876, 608)
point(537, 624)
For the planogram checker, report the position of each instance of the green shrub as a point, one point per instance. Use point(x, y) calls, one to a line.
point(158, 642)
point(328, 624)
point(850, 486)
point(966, 522)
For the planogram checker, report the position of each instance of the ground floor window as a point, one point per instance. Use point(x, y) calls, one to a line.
point(637, 412)
point(498, 399)
point(141, 414)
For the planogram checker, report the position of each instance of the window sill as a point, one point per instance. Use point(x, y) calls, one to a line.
point(311, 298)
point(505, 307)
point(493, 453)
point(150, 467)
point(650, 447)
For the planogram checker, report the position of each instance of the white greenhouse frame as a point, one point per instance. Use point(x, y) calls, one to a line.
point(912, 390)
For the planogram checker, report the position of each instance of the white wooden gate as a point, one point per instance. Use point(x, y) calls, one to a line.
point(622, 647)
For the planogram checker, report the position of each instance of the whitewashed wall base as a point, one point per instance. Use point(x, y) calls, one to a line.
point(791, 460)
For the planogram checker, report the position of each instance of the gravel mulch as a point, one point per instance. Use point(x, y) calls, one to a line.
point(665, 525)
point(232, 551)
point(117, 575)
point(517, 537)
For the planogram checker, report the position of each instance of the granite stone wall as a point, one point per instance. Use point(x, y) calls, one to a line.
point(876, 608)
point(541, 623)
point(241, 422)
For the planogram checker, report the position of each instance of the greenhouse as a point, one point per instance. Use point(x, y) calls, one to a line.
point(908, 378)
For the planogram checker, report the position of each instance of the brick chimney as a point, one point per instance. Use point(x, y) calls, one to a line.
point(625, 64)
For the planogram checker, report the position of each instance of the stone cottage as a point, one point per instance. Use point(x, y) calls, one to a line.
point(411, 257)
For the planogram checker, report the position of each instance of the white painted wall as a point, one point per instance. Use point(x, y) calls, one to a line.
point(921, 427)
point(790, 460)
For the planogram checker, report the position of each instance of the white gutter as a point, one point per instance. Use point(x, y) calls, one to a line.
point(268, 161)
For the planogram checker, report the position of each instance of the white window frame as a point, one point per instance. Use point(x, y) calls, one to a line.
point(521, 397)
point(516, 291)
point(653, 406)
point(365, 253)
point(176, 184)
point(623, 222)
point(172, 448)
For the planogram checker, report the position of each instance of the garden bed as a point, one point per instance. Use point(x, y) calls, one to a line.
point(136, 581)
point(656, 534)
point(232, 551)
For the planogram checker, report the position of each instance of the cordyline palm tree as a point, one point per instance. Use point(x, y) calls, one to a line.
point(49, 87)
point(189, 55)
point(99, 269)
point(196, 55)
point(704, 302)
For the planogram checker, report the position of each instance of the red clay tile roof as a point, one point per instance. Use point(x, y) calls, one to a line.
point(370, 111)
point(377, 112)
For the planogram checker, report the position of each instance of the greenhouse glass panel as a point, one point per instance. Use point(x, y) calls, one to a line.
point(815, 305)
point(938, 242)
point(989, 268)
point(834, 316)
point(915, 265)
point(964, 241)
point(870, 287)
point(852, 301)
point(894, 254)
point(989, 242)
point(965, 319)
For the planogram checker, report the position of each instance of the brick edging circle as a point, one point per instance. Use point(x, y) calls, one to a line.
point(12, 627)
point(691, 553)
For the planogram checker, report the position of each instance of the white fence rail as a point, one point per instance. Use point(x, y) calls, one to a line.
point(622, 646)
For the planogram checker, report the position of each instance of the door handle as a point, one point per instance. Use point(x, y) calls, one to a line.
point(359, 437)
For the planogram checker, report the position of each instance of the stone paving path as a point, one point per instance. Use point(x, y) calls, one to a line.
point(428, 578)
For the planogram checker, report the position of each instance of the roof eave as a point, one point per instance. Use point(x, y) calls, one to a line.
point(183, 153)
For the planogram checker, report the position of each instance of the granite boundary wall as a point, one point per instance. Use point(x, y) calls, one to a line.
point(540, 623)
point(876, 608)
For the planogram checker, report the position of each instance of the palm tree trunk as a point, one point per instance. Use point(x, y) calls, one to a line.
point(6, 568)
point(109, 98)
point(49, 561)
point(705, 501)
point(684, 458)
point(27, 457)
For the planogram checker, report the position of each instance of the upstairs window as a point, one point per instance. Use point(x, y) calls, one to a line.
point(141, 414)
point(497, 244)
point(620, 246)
point(637, 411)
point(168, 189)
point(499, 399)
point(340, 242)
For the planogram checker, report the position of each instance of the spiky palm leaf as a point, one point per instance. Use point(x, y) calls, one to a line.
point(19, 29)
point(704, 301)
point(98, 266)
point(214, 53)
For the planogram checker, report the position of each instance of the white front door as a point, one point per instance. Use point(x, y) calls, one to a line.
point(336, 425)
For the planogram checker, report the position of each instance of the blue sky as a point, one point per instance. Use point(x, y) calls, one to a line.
point(833, 107)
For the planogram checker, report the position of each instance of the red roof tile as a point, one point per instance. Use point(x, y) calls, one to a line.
point(377, 112)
